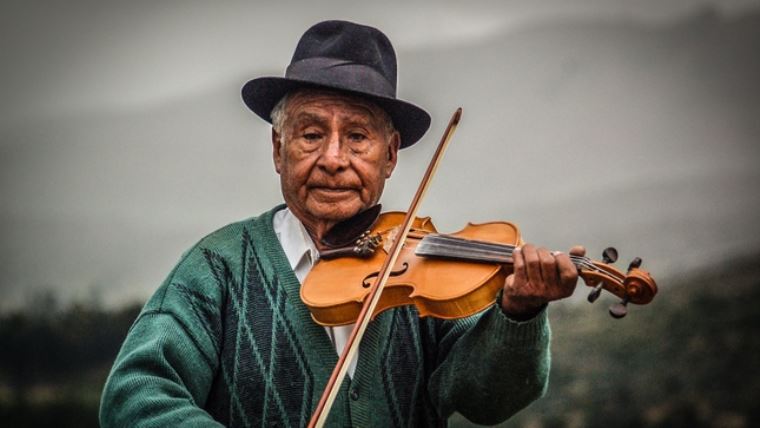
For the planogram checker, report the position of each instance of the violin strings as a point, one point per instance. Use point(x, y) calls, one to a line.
point(467, 244)
point(454, 247)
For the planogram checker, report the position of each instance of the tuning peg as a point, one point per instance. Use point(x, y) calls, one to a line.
point(619, 310)
point(594, 293)
point(635, 263)
point(609, 255)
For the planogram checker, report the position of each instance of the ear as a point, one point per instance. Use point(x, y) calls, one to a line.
point(393, 147)
point(276, 152)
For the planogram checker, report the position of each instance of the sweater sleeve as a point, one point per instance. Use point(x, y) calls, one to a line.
point(490, 366)
point(165, 369)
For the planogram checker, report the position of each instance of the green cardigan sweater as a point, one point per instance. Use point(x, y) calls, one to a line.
point(226, 340)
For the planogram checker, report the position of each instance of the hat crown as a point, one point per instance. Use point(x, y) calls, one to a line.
point(352, 43)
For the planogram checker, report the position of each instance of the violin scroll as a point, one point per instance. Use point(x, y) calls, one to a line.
point(635, 286)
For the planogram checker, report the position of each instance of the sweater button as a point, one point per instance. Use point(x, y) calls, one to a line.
point(354, 394)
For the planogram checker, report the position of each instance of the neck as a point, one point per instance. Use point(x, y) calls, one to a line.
point(318, 233)
point(331, 234)
point(316, 228)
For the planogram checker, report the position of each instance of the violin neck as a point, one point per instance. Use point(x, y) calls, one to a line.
point(452, 247)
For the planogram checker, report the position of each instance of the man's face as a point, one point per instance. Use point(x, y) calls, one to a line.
point(333, 157)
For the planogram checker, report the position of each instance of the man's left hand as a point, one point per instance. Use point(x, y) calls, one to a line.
point(539, 277)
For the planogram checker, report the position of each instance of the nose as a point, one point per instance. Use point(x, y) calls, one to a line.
point(333, 158)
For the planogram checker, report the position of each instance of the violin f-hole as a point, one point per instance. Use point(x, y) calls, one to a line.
point(367, 283)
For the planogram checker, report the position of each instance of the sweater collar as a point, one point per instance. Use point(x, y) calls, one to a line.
point(275, 266)
point(377, 333)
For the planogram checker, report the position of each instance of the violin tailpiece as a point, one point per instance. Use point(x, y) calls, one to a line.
point(364, 247)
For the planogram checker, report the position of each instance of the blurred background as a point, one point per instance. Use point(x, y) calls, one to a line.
point(635, 124)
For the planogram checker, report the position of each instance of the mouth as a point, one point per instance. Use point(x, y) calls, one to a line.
point(331, 190)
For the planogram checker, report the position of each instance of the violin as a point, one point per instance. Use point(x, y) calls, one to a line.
point(400, 259)
point(445, 276)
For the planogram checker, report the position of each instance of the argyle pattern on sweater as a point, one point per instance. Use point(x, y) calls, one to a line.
point(227, 340)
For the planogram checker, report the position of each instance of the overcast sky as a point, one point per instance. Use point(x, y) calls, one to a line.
point(124, 140)
point(83, 56)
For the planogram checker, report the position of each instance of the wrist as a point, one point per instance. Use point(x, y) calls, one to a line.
point(520, 309)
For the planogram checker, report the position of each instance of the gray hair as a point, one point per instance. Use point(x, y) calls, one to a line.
point(279, 113)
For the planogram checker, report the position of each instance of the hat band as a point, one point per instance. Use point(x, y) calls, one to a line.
point(341, 74)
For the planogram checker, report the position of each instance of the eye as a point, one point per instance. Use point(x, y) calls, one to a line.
point(357, 136)
point(312, 136)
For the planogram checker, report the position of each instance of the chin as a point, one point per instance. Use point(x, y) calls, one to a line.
point(336, 212)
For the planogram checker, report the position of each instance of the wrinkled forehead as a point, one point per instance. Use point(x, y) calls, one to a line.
point(310, 102)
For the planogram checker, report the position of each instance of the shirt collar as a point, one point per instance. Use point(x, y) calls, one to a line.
point(294, 239)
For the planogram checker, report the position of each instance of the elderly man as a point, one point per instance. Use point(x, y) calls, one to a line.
point(226, 339)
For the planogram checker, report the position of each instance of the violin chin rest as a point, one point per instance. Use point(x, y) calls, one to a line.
point(348, 231)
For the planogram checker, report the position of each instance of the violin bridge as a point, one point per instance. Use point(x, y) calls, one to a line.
point(392, 234)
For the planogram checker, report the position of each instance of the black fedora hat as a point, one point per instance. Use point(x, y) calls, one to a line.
point(348, 57)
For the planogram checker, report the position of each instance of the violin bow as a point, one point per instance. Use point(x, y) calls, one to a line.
point(320, 414)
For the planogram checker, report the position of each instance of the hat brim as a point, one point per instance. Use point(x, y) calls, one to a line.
point(262, 94)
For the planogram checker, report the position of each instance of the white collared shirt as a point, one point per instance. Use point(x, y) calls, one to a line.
point(302, 254)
